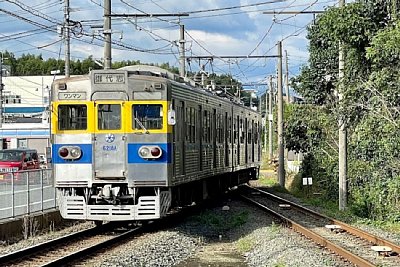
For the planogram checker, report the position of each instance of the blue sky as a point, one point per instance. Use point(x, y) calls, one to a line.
point(214, 27)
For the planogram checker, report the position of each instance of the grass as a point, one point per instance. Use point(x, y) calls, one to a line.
point(267, 181)
point(331, 209)
point(245, 244)
point(221, 222)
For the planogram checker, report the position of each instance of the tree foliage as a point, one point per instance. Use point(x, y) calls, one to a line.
point(369, 33)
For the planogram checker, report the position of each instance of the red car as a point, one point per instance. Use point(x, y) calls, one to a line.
point(15, 160)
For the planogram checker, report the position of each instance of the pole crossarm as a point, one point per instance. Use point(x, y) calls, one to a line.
point(254, 84)
point(148, 15)
point(212, 57)
point(293, 12)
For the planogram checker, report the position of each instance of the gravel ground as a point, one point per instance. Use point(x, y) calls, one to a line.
point(240, 236)
point(393, 237)
point(69, 228)
point(211, 239)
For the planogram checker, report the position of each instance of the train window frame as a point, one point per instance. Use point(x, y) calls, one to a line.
point(145, 124)
point(113, 123)
point(73, 122)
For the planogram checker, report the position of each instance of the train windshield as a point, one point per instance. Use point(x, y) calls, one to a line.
point(147, 116)
point(72, 117)
point(109, 116)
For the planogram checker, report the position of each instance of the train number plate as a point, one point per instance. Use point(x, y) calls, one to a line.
point(71, 96)
point(109, 78)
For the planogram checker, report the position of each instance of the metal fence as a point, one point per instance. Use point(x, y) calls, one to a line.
point(25, 192)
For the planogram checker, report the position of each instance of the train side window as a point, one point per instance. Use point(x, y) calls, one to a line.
point(109, 116)
point(72, 117)
point(193, 125)
point(150, 116)
point(242, 133)
point(249, 132)
point(229, 128)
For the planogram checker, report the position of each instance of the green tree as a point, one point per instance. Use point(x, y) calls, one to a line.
point(370, 37)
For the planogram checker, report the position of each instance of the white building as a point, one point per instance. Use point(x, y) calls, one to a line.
point(26, 99)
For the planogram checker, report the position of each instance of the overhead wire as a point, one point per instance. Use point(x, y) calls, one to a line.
point(154, 51)
point(235, 7)
point(160, 49)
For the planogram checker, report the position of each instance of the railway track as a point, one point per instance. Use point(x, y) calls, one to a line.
point(64, 250)
point(75, 248)
point(353, 244)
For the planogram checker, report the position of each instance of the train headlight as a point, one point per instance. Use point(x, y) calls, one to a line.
point(63, 152)
point(70, 152)
point(75, 152)
point(144, 152)
point(150, 152)
point(155, 151)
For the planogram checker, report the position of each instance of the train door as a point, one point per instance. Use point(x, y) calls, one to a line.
point(214, 137)
point(246, 140)
point(109, 140)
point(254, 139)
point(240, 138)
point(227, 138)
point(200, 136)
point(182, 144)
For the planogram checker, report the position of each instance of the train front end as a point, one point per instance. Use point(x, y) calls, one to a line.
point(111, 152)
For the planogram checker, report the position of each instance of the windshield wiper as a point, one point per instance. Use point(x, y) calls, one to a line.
point(142, 126)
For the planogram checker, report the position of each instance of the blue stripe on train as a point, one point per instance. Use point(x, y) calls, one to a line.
point(133, 155)
point(86, 154)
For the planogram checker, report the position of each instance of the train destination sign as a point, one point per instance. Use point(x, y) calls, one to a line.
point(72, 96)
point(101, 78)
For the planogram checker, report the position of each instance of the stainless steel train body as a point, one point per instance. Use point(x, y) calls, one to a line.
point(131, 143)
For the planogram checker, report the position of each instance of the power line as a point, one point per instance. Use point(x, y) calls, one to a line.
point(235, 7)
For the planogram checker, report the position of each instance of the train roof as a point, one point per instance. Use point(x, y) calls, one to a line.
point(150, 71)
point(157, 72)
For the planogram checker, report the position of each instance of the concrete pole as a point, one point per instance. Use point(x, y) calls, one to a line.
point(265, 121)
point(1, 95)
point(203, 76)
point(67, 53)
point(182, 71)
point(281, 151)
point(107, 34)
point(342, 135)
point(287, 78)
point(270, 117)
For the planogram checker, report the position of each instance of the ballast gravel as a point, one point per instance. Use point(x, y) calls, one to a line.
point(258, 242)
point(207, 239)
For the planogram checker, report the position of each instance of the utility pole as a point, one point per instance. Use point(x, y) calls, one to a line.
point(107, 34)
point(182, 71)
point(270, 116)
point(281, 151)
point(342, 133)
point(1, 93)
point(66, 36)
point(287, 78)
point(107, 27)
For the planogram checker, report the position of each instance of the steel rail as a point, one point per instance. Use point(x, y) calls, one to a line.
point(92, 249)
point(22, 253)
point(315, 237)
point(350, 229)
